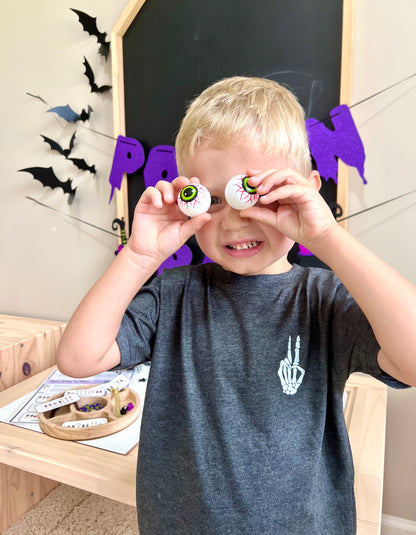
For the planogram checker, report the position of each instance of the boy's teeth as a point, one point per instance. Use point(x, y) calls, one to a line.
point(240, 246)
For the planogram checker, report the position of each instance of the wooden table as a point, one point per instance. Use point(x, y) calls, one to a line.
point(92, 469)
point(27, 347)
point(114, 476)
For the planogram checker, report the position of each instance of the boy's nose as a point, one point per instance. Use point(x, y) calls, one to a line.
point(231, 219)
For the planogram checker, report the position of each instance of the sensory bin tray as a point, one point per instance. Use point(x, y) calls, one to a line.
point(51, 421)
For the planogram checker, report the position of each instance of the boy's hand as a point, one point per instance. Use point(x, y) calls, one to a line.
point(159, 228)
point(292, 204)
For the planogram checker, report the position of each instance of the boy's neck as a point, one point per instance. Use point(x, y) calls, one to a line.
point(277, 268)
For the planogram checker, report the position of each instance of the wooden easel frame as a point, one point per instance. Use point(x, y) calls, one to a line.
point(117, 34)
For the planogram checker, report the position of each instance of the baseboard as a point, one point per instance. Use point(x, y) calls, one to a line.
point(395, 522)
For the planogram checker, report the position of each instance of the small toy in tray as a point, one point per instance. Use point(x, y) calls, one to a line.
point(69, 416)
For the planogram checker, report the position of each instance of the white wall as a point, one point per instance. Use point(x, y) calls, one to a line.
point(49, 261)
point(385, 52)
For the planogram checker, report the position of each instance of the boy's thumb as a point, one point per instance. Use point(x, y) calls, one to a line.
point(194, 224)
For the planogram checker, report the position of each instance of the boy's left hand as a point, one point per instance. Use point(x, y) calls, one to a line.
point(292, 204)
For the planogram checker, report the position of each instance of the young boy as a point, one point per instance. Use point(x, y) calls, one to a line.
point(243, 430)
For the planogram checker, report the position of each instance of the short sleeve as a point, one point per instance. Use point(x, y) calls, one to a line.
point(354, 343)
point(138, 326)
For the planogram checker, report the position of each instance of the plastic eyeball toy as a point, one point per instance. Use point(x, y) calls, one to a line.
point(194, 199)
point(239, 194)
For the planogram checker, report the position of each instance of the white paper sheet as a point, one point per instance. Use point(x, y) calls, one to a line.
point(22, 412)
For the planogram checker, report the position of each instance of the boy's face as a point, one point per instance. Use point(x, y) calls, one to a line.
point(240, 245)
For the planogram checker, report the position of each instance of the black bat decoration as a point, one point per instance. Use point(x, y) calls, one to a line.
point(82, 164)
point(90, 75)
point(89, 24)
point(47, 177)
point(55, 146)
point(67, 113)
point(78, 162)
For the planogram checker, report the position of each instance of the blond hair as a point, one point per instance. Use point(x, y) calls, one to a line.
point(250, 111)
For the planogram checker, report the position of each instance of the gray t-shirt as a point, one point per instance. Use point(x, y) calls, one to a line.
point(243, 431)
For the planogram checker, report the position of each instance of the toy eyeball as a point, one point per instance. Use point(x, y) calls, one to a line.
point(239, 194)
point(194, 199)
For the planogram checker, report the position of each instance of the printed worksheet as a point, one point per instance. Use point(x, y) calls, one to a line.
point(24, 411)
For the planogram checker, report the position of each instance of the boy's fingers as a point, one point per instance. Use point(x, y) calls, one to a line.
point(274, 178)
point(266, 181)
point(167, 190)
point(182, 181)
point(288, 193)
point(194, 224)
point(164, 191)
point(151, 196)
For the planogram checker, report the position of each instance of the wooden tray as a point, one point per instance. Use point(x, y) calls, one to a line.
point(51, 421)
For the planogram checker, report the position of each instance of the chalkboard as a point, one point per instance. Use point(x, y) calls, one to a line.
point(173, 49)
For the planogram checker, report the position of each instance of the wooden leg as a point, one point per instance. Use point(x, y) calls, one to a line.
point(19, 491)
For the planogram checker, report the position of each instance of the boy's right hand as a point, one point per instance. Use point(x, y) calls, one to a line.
point(159, 228)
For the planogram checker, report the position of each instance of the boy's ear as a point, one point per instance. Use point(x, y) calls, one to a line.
point(316, 179)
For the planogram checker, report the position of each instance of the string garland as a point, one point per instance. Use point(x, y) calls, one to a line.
point(366, 99)
point(323, 120)
point(383, 90)
point(118, 236)
point(73, 217)
point(374, 95)
point(376, 206)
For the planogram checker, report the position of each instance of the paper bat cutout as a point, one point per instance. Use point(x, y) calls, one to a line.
point(67, 113)
point(55, 146)
point(81, 164)
point(89, 24)
point(47, 177)
point(78, 162)
point(90, 75)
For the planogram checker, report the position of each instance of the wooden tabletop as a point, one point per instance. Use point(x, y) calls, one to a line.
point(92, 469)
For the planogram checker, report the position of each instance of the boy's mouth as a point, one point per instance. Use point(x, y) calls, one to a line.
point(242, 245)
point(243, 249)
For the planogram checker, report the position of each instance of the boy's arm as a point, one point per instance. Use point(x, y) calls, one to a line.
point(293, 205)
point(88, 345)
point(387, 299)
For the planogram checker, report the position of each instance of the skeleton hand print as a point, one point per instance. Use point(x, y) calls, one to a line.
point(290, 373)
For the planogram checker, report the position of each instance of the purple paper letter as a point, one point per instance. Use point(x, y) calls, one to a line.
point(182, 257)
point(343, 142)
point(128, 157)
point(160, 165)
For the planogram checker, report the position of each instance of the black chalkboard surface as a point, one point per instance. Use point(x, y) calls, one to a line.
point(173, 49)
